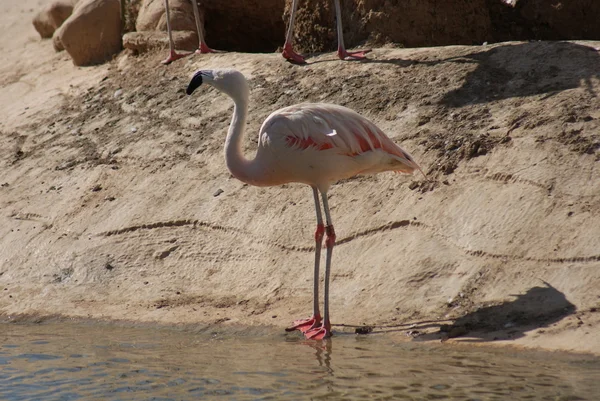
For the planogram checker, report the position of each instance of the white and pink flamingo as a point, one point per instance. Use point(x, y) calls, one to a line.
point(311, 143)
point(288, 51)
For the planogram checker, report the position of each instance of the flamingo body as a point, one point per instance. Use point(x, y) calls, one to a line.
point(319, 143)
point(311, 143)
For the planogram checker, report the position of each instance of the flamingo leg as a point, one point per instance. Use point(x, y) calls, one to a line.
point(324, 330)
point(342, 53)
point(288, 51)
point(173, 55)
point(202, 46)
point(304, 325)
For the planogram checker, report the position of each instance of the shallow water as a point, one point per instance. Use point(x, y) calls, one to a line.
point(101, 362)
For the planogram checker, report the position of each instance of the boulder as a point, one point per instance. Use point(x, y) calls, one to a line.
point(42, 24)
point(50, 18)
point(152, 16)
point(56, 43)
point(141, 42)
point(92, 34)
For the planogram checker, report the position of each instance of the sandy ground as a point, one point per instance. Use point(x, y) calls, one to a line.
point(115, 202)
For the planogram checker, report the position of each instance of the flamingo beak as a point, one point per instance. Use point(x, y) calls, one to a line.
point(194, 83)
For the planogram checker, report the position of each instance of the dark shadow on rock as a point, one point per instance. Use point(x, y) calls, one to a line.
point(537, 308)
point(525, 69)
point(512, 70)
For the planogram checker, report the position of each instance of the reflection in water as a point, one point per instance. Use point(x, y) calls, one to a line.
point(94, 362)
point(322, 353)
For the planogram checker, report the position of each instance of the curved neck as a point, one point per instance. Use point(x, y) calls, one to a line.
point(243, 169)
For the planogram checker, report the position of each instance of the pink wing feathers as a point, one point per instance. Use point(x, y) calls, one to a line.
point(322, 126)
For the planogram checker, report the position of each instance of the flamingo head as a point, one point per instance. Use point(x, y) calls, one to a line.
point(229, 81)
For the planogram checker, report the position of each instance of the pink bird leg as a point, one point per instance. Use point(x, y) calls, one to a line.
point(305, 325)
point(290, 55)
point(288, 52)
point(308, 326)
point(313, 328)
point(342, 53)
point(319, 333)
point(202, 47)
point(324, 331)
point(354, 55)
point(173, 55)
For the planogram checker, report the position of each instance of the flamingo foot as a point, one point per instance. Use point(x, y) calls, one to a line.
point(354, 55)
point(203, 49)
point(304, 325)
point(174, 56)
point(319, 333)
point(290, 55)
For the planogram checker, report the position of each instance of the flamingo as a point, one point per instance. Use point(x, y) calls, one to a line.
point(202, 46)
point(343, 54)
point(310, 143)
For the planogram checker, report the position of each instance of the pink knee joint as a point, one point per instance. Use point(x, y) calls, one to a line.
point(319, 233)
point(330, 242)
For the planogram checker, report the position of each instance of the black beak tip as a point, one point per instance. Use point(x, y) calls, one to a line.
point(194, 83)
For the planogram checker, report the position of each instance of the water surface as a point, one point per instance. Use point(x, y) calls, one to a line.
point(62, 361)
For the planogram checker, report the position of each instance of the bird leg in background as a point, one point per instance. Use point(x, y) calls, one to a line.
point(305, 325)
point(342, 53)
point(202, 46)
point(173, 55)
point(324, 330)
point(291, 55)
point(288, 51)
